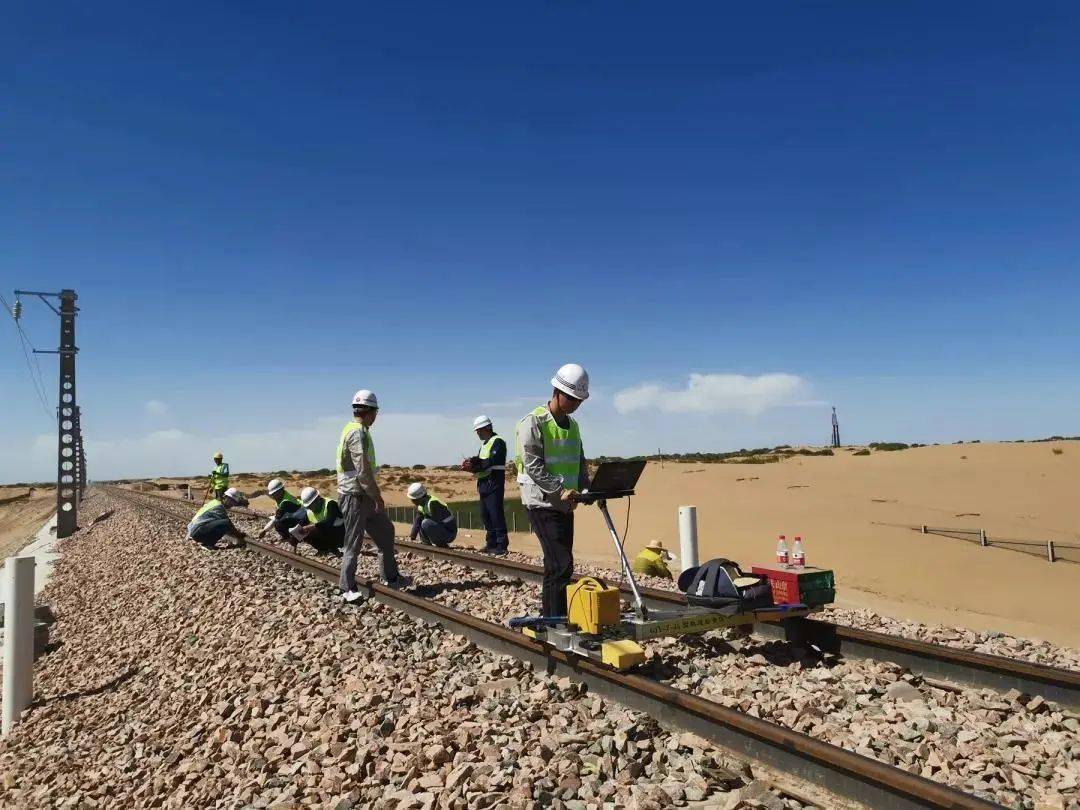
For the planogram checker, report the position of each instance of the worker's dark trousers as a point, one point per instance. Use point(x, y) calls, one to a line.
point(213, 530)
point(555, 530)
point(360, 517)
point(327, 539)
point(288, 517)
point(491, 507)
point(434, 533)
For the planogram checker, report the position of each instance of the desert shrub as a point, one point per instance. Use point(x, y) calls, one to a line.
point(1057, 451)
point(419, 466)
point(889, 446)
point(863, 452)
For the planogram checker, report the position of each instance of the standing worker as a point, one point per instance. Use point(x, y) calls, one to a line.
point(435, 523)
point(551, 473)
point(490, 469)
point(211, 522)
point(219, 476)
point(361, 501)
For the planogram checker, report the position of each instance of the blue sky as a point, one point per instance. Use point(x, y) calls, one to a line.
point(264, 208)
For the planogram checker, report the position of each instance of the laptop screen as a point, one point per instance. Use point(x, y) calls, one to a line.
point(616, 476)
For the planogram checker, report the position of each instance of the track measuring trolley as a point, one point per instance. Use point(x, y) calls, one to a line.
point(719, 594)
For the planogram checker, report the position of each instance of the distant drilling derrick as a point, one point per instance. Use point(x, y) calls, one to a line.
point(835, 430)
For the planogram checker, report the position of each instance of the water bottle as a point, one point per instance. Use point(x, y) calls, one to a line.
point(781, 551)
point(798, 556)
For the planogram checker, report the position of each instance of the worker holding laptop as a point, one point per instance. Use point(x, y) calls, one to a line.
point(551, 473)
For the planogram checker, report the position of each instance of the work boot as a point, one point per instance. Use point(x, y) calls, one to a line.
point(401, 583)
point(352, 597)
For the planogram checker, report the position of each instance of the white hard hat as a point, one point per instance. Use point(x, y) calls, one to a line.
point(275, 485)
point(308, 496)
point(233, 494)
point(481, 421)
point(218, 454)
point(572, 379)
point(365, 398)
point(416, 491)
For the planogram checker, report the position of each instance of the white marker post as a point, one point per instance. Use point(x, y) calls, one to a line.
point(18, 639)
point(688, 536)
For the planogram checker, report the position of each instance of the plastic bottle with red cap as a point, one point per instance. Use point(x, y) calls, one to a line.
point(798, 555)
point(782, 551)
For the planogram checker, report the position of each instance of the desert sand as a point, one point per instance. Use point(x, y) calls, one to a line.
point(21, 517)
point(855, 515)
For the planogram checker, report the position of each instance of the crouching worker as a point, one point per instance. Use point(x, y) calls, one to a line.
point(289, 512)
point(653, 559)
point(211, 522)
point(434, 522)
point(325, 526)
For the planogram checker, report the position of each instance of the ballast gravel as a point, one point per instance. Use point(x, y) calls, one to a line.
point(185, 678)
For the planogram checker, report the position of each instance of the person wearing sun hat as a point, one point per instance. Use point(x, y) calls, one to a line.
point(653, 559)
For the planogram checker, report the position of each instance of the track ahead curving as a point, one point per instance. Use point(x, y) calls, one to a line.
point(852, 776)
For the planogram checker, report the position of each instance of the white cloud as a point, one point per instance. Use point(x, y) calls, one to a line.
point(155, 407)
point(712, 393)
point(399, 439)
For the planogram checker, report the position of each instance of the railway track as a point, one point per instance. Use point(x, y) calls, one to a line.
point(808, 765)
point(964, 668)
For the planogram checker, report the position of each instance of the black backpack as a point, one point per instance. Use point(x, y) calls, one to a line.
point(713, 585)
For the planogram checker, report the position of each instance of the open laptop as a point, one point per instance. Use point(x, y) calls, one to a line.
point(614, 479)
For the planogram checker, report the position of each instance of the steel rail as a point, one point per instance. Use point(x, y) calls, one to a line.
point(960, 667)
point(852, 776)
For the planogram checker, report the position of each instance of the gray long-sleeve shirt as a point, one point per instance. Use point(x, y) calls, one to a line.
point(541, 489)
point(355, 459)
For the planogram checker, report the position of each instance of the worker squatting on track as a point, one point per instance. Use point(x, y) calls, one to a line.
point(489, 466)
point(288, 513)
point(653, 560)
point(211, 521)
point(321, 525)
point(435, 523)
point(551, 474)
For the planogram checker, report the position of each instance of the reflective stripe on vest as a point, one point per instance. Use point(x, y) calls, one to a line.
point(206, 507)
point(320, 515)
point(289, 498)
point(485, 452)
point(425, 509)
point(562, 448)
point(342, 473)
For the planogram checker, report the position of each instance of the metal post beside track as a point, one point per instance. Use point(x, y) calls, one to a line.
point(18, 640)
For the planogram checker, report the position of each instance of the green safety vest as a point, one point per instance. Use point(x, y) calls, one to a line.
point(320, 515)
point(342, 473)
point(219, 478)
point(289, 498)
point(485, 452)
point(425, 509)
point(562, 448)
point(206, 507)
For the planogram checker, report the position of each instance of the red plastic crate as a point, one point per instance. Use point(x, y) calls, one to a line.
point(807, 584)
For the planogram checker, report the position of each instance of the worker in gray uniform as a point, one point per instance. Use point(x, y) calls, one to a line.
point(551, 474)
point(361, 501)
